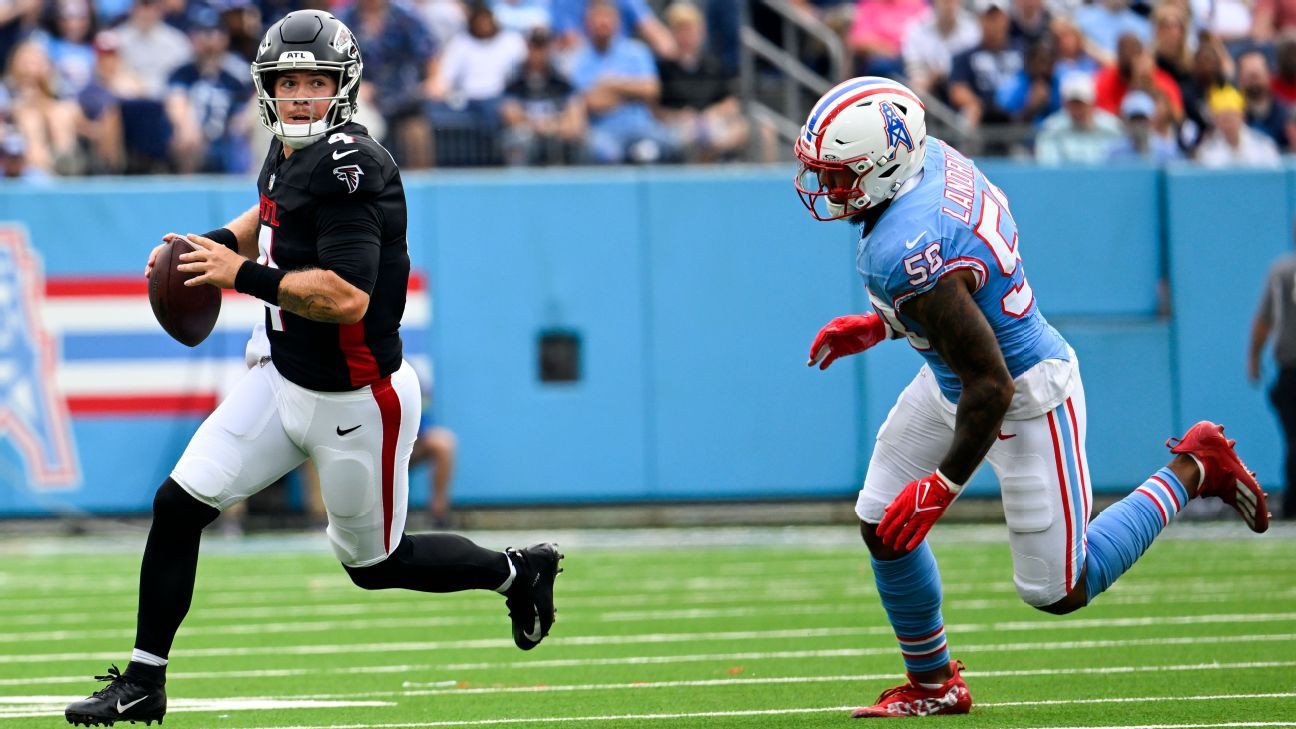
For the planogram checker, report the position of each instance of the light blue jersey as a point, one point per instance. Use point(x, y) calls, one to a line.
point(955, 218)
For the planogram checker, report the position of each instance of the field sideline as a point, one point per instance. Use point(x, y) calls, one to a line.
point(728, 627)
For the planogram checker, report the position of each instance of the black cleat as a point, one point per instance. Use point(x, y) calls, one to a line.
point(530, 599)
point(124, 699)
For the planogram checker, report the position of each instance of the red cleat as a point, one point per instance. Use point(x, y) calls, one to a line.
point(914, 700)
point(1223, 473)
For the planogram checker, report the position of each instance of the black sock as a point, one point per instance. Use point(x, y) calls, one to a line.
point(146, 674)
point(435, 563)
point(167, 571)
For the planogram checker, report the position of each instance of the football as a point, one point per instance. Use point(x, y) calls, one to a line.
point(187, 313)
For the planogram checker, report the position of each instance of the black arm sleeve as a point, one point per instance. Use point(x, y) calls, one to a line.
point(350, 239)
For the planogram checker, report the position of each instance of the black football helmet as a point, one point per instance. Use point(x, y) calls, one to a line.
point(308, 40)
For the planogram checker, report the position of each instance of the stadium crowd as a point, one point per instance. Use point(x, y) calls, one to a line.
point(162, 86)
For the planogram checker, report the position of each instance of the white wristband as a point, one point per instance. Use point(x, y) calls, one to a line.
point(954, 488)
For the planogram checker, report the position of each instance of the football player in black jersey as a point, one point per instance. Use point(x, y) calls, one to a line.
point(325, 249)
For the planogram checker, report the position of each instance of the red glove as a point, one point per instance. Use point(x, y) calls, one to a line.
point(844, 336)
point(908, 519)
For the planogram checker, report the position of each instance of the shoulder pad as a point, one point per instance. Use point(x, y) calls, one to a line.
point(349, 164)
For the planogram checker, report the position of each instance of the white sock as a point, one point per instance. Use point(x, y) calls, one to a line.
point(148, 659)
point(503, 589)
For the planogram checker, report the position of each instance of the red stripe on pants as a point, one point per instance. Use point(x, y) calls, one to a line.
point(1066, 501)
point(389, 408)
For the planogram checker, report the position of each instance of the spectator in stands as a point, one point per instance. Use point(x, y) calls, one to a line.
point(1149, 134)
point(205, 102)
point(1105, 21)
point(445, 19)
point(1229, 20)
point(1030, 22)
point(931, 44)
point(1170, 43)
point(1209, 72)
point(1135, 68)
point(242, 22)
point(1231, 143)
point(522, 16)
point(47, 123)
point(473, 70)
point(71, 28)
point(399, 61)
point(17, 19)
point(437, 446)
point(1069, 51)
point(1080, 133)
point(698, 103)
point(1263, 112)
point(1275, 320)
point(150, 48)
point(1284, 80)
point(1032, 94)
point(618, 83)
point(977, 74)
point(570, 19)
point(877, 32)
point(100, 103)
point(543, 116)
point(1272, 18)
point(13, 158)
point(1289, 130)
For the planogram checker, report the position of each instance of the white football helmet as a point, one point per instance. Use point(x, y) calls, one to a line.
point(862, 141)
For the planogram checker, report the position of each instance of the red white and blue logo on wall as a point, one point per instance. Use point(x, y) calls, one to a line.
point(88, 377)
point(33, 412)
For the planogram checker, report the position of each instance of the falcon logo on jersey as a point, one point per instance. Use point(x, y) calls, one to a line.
point(896, 130)
point(350, 174)
point(33, 412)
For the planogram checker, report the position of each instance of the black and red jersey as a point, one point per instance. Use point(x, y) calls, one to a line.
point(337, 204)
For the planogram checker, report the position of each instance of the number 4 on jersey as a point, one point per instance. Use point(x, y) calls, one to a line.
point(265, 244)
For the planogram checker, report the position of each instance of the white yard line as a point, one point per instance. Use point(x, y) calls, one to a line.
point(276, 587)
point(485, 618)
point(37, 706)
point(415, 689)
point(751, 712)
point(745, 636)
point(860, 652)
point(27, 707)
point(203, 616)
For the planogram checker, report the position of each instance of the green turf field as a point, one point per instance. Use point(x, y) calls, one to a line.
point(765, 628)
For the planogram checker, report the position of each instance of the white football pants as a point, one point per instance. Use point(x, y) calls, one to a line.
point(360, 442)
point(1043, 479)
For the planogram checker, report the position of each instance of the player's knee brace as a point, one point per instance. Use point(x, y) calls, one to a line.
point(174, 507)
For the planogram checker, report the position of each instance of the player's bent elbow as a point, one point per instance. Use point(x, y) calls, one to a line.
point(354, 308)
point(994, 392)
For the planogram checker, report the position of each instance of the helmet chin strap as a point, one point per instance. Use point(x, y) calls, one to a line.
point(853, 205)
point(298, 136)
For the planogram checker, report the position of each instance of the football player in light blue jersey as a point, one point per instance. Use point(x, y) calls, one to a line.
point(940, 258)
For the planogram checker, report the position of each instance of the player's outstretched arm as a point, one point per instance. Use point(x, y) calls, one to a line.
point(959, 332)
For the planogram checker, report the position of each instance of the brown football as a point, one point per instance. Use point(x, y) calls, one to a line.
point(187, 313)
